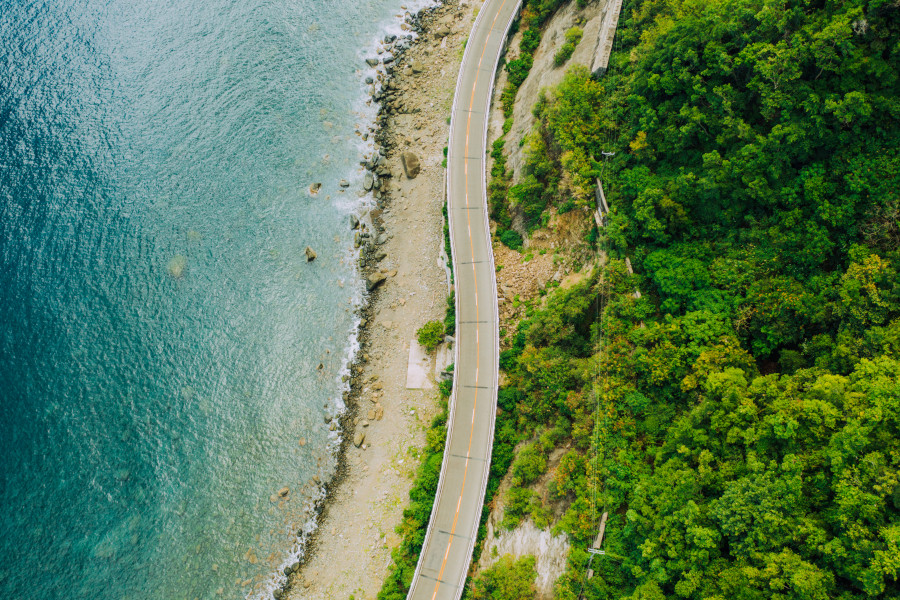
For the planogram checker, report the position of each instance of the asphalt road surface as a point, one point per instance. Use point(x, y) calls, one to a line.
point(447, 551)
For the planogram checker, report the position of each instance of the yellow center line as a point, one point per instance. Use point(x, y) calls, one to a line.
point(475, 278)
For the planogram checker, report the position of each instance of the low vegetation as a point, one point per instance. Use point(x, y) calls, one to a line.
point(509, 579)
point(573, 36)
point(431, 335)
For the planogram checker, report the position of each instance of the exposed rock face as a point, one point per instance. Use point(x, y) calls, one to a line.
point(310, 254)
point(411, 164)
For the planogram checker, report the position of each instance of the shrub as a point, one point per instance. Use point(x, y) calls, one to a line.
point(518, 69)
point(511, 239)
point(431, 334)
point(509, 579)
point(573, 36)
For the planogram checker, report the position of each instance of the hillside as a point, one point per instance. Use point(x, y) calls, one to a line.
point(738, 420)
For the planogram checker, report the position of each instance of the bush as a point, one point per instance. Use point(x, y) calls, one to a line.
point(509, 579)
point(573, 36)
point(431, 334)
point(518, 69)
point(511, 239)
point(450, 315)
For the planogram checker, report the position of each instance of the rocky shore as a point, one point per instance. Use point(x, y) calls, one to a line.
point(399, 241)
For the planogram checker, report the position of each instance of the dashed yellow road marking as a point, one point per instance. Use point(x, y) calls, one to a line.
point(475, 279)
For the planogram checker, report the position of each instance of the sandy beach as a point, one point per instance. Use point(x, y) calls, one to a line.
point(350, 553)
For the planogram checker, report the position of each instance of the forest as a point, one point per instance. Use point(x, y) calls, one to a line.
point(739, 419)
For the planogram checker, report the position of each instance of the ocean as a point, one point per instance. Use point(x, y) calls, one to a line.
point(168, 357)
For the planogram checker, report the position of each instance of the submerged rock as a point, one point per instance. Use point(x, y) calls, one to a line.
point(314, 188)
point(310, 254)
point(177, 266)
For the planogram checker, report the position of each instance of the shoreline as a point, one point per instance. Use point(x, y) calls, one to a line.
point(405, 112)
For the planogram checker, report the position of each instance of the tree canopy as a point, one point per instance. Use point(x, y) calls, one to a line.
point(740, 420)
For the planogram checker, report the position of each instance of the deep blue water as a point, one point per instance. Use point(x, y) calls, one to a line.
point(160, 330)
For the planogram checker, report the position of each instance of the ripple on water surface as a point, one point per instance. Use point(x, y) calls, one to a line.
point(161, 331)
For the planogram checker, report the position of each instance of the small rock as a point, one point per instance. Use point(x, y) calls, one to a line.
point(371, 414)
point(382, 239)
point(354, 221)
point(369, 80)
point(310, 254)
point(388, 59)
point(277, 594)
point(314, 188)
point(359, 438)
point(411, 164)
point(344, 183)
point(415, 66)
point(302, 441)
point(283, 492)
point(379, 412)
point(372, 62)
point(368, 181)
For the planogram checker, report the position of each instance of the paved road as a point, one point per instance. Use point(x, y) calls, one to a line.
point(444, 562)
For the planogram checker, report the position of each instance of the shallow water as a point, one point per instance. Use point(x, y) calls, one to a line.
point(164, 345)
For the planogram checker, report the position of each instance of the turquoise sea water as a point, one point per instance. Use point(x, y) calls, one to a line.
point(161, 333)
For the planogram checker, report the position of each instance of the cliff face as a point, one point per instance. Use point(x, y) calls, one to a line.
point(544, 74)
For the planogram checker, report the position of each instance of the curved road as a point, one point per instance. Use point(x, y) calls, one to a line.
point(447, 551)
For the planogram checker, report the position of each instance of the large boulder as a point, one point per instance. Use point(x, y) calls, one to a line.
point(374, 280)
point(411, 164)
